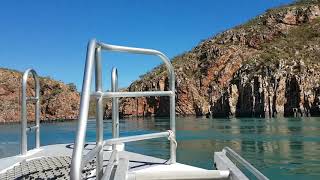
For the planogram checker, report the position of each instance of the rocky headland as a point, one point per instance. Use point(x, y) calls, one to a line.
point(267, 67)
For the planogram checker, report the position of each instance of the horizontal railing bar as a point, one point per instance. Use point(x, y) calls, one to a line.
point(179, 174)
point(245, 163)
point(110, 47)
point(136, 138)
point(32, 128)
point(32, 98)
point(90, 155)
point(133, 94)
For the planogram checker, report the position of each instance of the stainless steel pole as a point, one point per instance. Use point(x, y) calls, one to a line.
point(23, 145)
point(136, 138)
point(115, 111)
point(99, 114)
point(173, 143)
point(115, 104)
point(37, 108)
point(75, 172)
point(133, 94)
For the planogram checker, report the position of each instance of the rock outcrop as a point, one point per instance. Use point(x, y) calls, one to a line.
point(268, 67)
point(58, 100)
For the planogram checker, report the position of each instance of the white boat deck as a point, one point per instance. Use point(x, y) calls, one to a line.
point(54, 161)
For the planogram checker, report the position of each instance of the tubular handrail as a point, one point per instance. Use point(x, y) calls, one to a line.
point(115, 113)
point(133, 94)
point(140, 51)
point(93, 58)
point(245, 163)
point(136, 138)
point(115, 105)
point(24, 128)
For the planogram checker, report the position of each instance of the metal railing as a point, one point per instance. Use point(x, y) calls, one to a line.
point(36, 100)
point(115, 107)
point(93, 59)
point(246, 164)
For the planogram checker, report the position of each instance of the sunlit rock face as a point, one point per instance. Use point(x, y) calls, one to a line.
point(58, 101)
point(267, 67)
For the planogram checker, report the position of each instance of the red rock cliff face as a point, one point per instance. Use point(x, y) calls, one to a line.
point(58, 101)
point(266, 67)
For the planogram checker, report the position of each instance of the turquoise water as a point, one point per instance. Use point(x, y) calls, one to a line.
point(280, 148)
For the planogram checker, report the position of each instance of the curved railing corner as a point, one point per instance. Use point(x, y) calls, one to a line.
point(93, 60)
point(36, 100)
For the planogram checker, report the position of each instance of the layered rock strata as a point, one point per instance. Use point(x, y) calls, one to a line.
point(268, 67)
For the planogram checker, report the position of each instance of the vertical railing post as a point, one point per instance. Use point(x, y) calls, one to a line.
point(173, 129)
point(23, 144)
point(115, 107)
point(75, 171)
point(99, 113)
point(37, 109)
point(172, 116)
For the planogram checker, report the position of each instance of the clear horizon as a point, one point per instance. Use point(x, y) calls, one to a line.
point(51, 37)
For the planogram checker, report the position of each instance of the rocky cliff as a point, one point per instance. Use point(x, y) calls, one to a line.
point(58, 100)
point(267, 67)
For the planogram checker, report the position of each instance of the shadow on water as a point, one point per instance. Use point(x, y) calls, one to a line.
point(280, 148)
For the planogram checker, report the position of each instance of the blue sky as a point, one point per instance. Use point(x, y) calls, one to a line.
point(51, 36)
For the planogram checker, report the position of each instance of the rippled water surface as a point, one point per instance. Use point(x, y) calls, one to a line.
point(280, 148)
